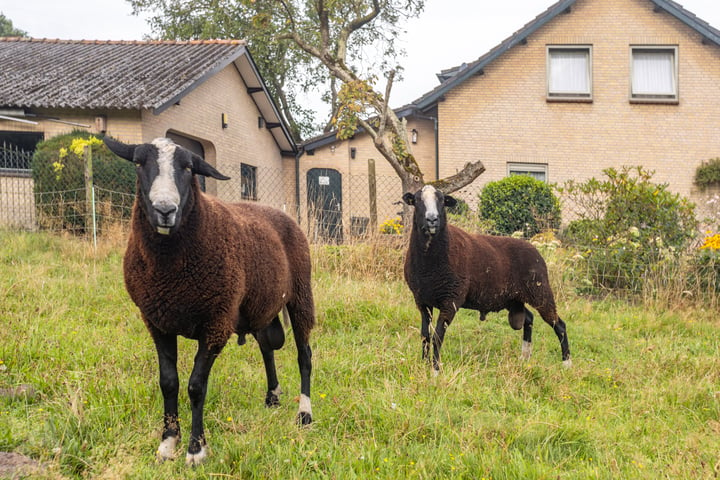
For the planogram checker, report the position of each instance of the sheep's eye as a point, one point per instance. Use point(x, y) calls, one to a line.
point(188, 169)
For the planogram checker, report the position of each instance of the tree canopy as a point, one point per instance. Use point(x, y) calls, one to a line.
point(8, 30)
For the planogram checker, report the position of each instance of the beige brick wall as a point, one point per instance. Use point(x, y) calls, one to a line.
point(17, 202)
point(503, 116)
point(62, 121)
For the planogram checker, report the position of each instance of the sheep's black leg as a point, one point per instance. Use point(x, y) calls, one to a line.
point(267, 346)
point(197, 390)
point(305, 364)
point(527, 335)
point(426, 320)
point(444, 319)
point(166, 346)
point(549, 314)
point(302, 320)
point(561, 333)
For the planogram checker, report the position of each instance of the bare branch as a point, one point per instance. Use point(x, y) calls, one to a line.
point(461, 179)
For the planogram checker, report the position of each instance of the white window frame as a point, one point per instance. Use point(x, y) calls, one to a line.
point(517, 168)
point(668, 96)
point(559, 94)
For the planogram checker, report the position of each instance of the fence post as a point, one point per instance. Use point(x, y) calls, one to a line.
point(89, 193)
point(372, 190)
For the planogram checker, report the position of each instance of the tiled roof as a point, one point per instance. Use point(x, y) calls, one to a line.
point(44, 73)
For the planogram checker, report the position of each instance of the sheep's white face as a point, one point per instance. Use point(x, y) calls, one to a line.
point(164, 194)
point(429, 197)
point(429, 205)
point(165, 177)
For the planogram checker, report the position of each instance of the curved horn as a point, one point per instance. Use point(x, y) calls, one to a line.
point(201, 167)
point(120, 149)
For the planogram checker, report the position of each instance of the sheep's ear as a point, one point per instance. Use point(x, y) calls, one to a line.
point(409, 198)
point(201, 167)
point(450, 201)
point(120, 149)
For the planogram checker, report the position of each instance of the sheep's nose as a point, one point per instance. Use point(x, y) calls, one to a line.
point(431, 220)
point(165, 209)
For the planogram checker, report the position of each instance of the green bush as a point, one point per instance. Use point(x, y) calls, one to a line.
point(58, 170)
point(519, 203)
point(708, 173)
point(629, 226)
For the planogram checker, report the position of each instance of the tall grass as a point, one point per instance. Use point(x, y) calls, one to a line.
point(642, 400)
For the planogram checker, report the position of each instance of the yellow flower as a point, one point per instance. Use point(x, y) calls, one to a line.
point(712, 243)
point(392, 226)
point(78, 144)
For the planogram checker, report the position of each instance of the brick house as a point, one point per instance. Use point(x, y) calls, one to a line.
point(586, 85)
point(206, 95)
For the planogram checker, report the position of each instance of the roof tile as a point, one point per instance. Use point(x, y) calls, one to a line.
point(51, 73)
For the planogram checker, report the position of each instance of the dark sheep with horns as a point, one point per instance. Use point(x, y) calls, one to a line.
point(447, 268)
point(204, 269)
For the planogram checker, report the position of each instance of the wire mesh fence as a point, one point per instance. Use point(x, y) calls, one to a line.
point(360, 209)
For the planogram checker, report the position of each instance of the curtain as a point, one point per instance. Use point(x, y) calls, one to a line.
point(569, 72)
point(653, 72)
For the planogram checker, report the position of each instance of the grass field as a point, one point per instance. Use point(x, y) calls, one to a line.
point(641, 401)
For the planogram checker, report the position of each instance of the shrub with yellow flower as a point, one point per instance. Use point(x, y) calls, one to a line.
point(392, 226)
point(706, 272)
point(711, 243)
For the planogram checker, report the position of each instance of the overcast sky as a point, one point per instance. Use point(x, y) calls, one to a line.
point(448, 33)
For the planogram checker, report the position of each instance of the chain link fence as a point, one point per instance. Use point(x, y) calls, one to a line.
point(339, 211)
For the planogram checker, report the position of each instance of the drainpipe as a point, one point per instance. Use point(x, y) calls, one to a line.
point(437, 149)
point(301, 150)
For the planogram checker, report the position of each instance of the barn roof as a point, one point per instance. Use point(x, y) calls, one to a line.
point(153, 75)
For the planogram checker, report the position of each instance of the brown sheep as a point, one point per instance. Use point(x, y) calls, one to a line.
point(447, 268)
point(204, 269)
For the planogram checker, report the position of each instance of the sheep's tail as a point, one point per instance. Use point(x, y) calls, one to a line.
point(285, 317)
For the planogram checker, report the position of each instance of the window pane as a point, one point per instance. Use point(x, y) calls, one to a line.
point(569, 72)
point(653, 72)
point(535, 170)
point(536, 175)
point(248, 182)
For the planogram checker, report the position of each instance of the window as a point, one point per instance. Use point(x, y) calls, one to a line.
point(248, 182)
point(569, 73)
point(535, 170)
point(16, 151)
point(654, 74)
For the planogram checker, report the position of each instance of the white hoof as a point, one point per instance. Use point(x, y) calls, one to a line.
point(305, 406)
point(567, 363)
point(192, 459)
point(166, 450)
point(526, 352)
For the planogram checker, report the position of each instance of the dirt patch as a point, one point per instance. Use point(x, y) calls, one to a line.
point(21, 391)
point(14, 465)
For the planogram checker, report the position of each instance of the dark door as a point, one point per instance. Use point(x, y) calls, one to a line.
point(324, 190)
